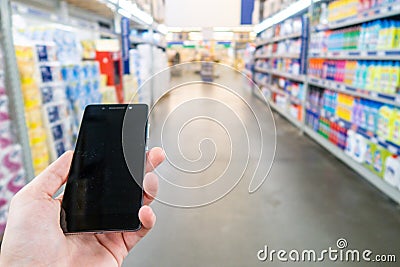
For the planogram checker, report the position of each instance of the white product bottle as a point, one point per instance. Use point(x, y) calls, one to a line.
point(360, 147)
point(350, 143)
point(392, 171)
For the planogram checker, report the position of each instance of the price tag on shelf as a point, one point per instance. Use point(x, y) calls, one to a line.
point(396, 7)
point(384, 10)
point(381, 53)
point(373, 140)
point(398, 99)
point(374, 94)
point(363, 53)
point(381, 140)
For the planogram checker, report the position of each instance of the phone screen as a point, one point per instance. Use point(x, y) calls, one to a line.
point(101, 193)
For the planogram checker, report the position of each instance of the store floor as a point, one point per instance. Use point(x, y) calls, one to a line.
point(309, 201)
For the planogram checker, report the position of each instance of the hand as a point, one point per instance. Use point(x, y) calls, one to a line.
point(33, 236)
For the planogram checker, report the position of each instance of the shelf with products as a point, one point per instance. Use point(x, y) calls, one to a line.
point(289, 49)
point(351, 90)
point(376, 80)
point(377, 40)
point(284, 102)
point(288, 29)
point(12, 171)
point(367, 131)
point(283, 112)
point(342, 87)
point(365, 172)
point(343, 14)
point(278, 39)
point(291, 98)
point(359, 55)
point(297, 78)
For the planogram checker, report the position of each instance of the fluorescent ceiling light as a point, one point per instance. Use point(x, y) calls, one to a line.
point(162, 29)
point(124, 13)
point(282, 15)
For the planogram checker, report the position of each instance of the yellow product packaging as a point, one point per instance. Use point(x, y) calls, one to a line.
point(32, 99)
point(37, 136)
point(33, 118)
point(384, 122)
point(24, 53)
point(27, 71)
point(395, 127)
point(40, 157)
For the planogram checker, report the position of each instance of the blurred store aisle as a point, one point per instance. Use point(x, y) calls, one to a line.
point(309, 200)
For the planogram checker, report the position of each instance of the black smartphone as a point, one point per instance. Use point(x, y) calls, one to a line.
point(104, 192)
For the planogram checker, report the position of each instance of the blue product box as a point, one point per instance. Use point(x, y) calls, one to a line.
point(53, 113)
point(57, 132)
point(42, 53)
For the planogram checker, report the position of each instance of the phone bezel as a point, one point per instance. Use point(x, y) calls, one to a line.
point(110, 107)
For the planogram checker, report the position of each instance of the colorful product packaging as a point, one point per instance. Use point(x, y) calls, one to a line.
point(379, 160)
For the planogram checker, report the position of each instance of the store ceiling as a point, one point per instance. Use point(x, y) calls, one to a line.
point(202, 13)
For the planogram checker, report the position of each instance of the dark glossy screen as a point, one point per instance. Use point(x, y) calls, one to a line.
point(101, 194)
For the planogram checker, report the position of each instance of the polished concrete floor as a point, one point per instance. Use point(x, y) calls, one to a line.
point(309, 200)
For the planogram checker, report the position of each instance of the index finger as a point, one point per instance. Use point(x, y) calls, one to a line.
point(154, 158)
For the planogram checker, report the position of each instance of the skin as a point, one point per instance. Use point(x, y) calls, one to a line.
point(33, 236)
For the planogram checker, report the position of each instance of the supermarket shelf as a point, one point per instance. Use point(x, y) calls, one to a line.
point(343, 88)
point(286, 115)
point(279, 38)
point(359, 55)
point(373, 14)
point(262, 70)
point(297, 78)
point(273, 89)
point(294, 56)
point(262, 57)
point(134, 43)
point(13, 85)
point(370, 136)
point(364, 172)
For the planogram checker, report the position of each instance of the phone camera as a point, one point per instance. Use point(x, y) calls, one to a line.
point(130, 107)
